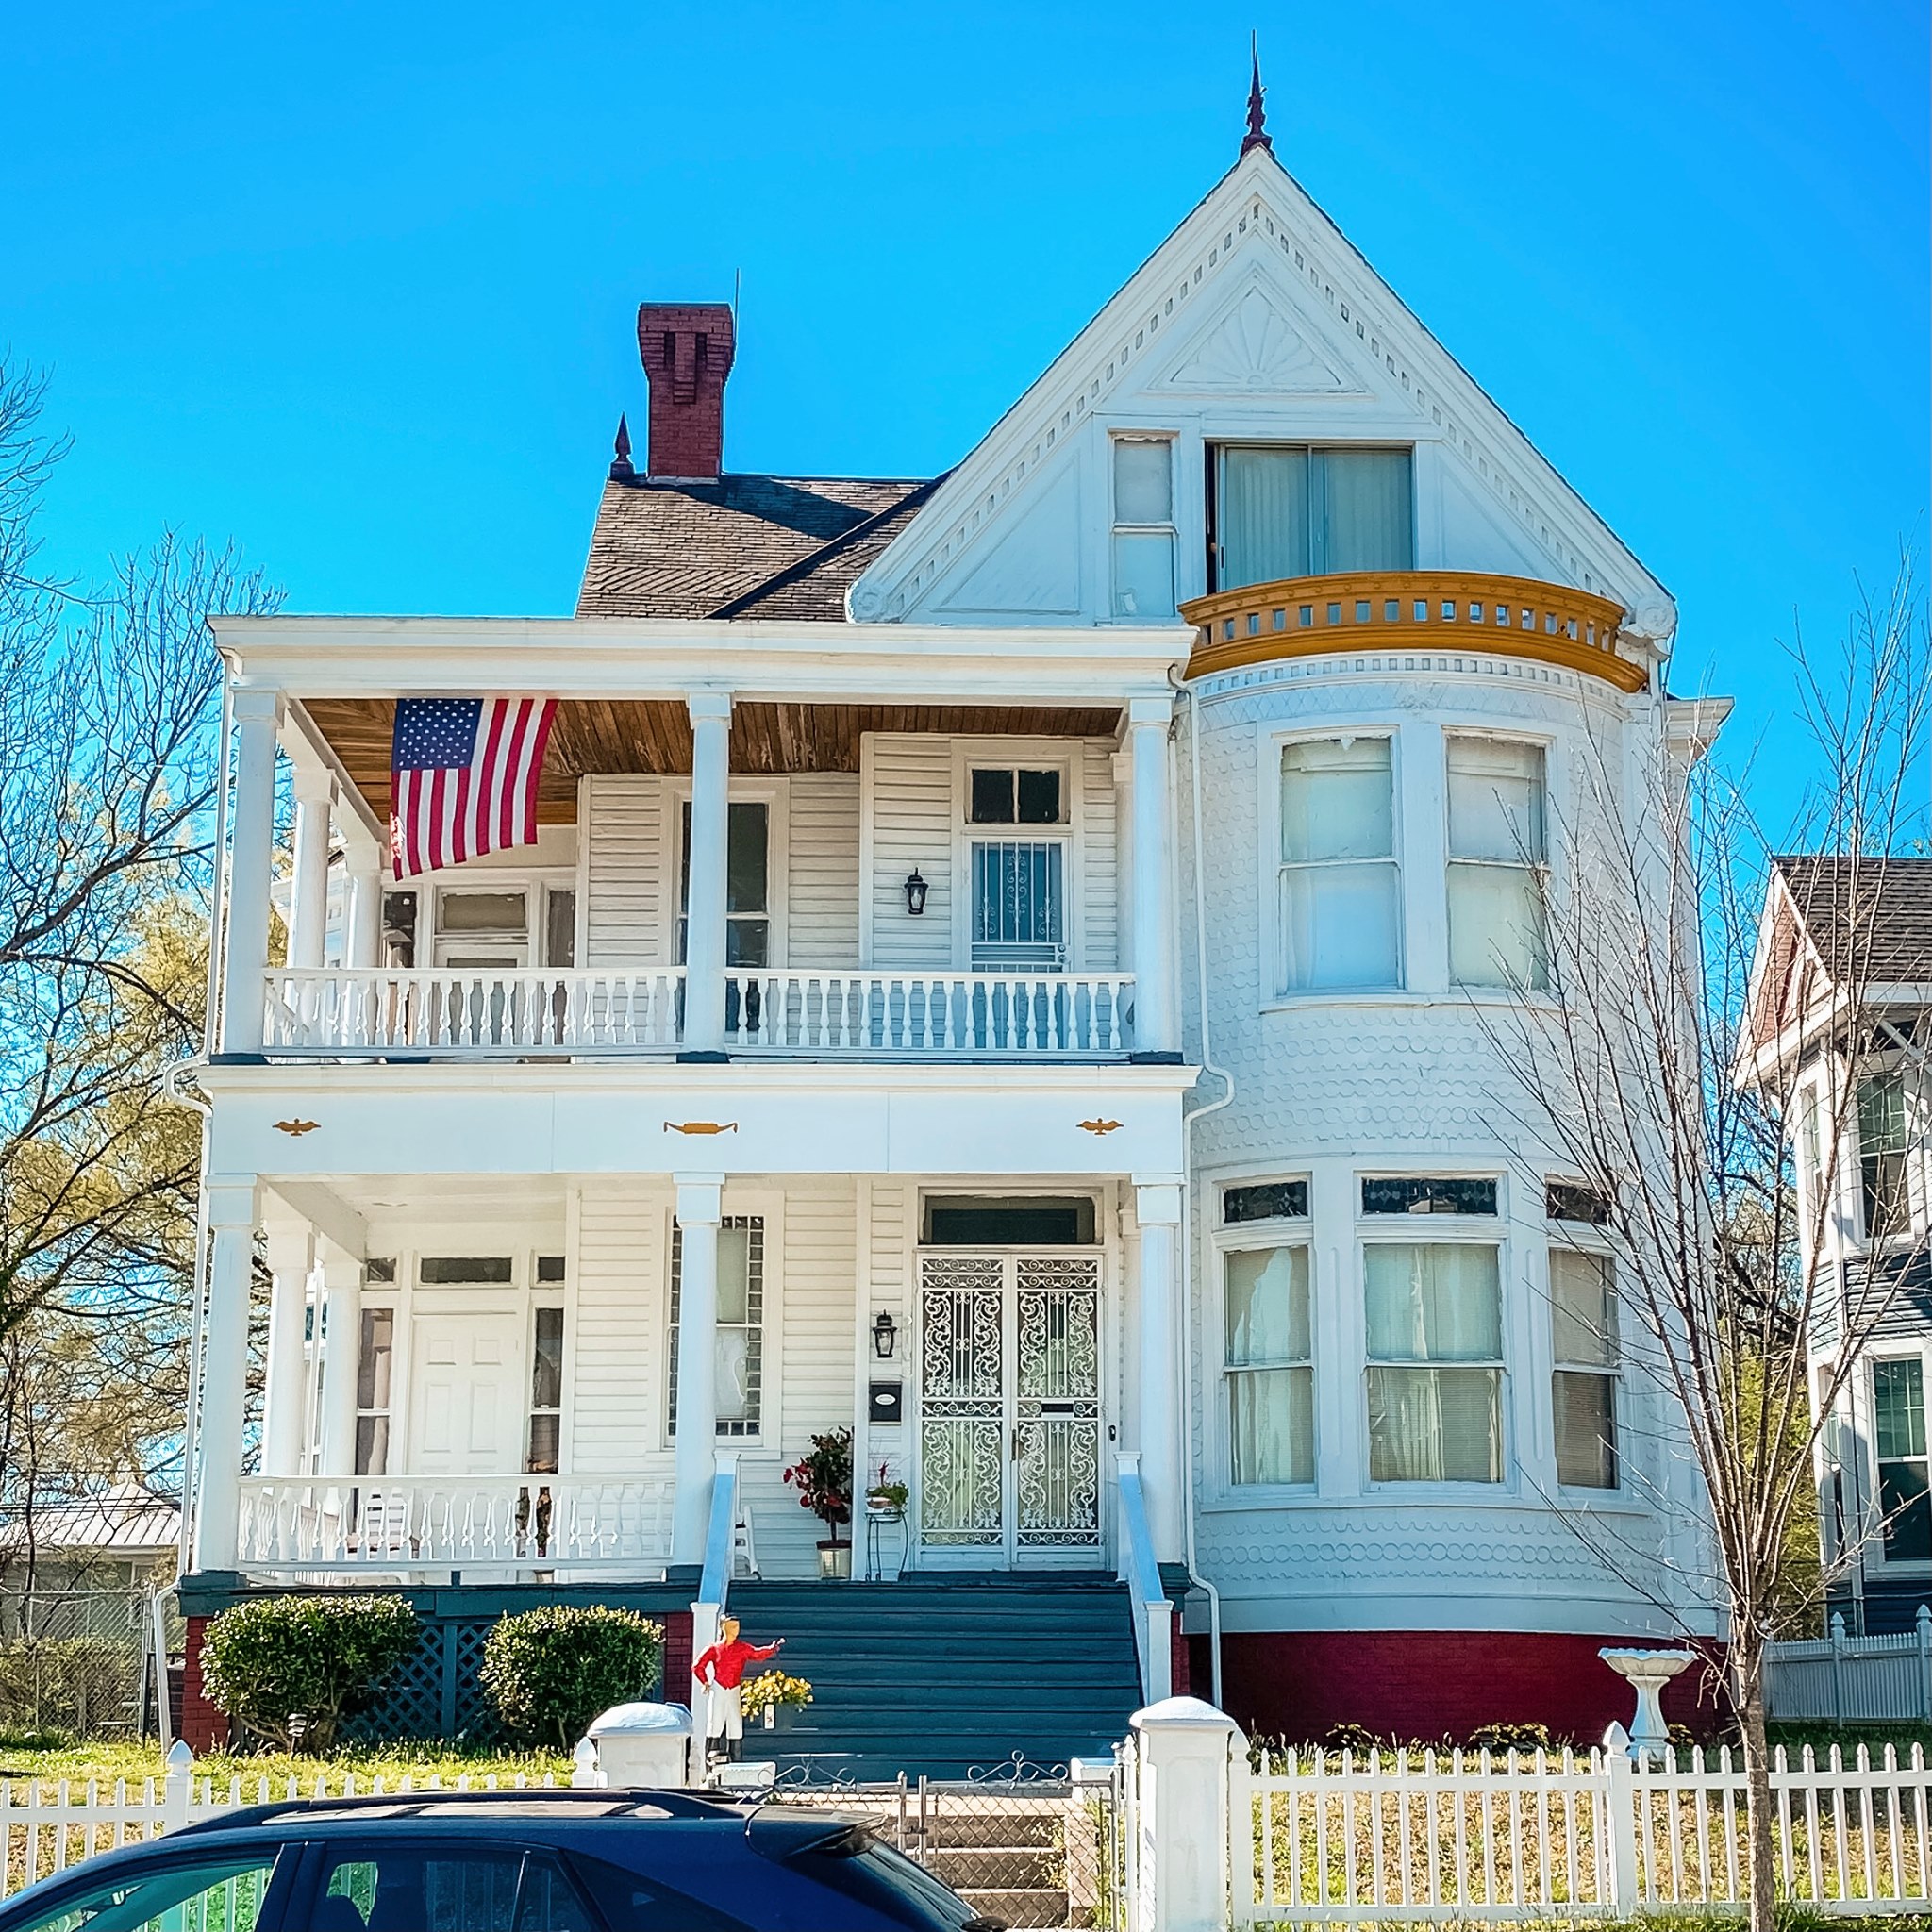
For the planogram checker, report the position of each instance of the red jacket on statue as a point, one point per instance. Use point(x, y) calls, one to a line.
point(724, 1663)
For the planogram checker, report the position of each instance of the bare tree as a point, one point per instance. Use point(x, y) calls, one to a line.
point(1664, 1072)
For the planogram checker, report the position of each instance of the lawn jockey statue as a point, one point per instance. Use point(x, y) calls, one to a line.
point(721, 1674)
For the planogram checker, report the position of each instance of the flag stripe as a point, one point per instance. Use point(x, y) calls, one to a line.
point(464, 776)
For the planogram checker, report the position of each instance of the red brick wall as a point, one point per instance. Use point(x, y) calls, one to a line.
point(1433, 1684)
point(686, 348)
point(676, 1658)
point(1180, 1656)
point(202, 1725)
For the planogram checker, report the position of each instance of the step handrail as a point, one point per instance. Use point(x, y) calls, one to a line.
point(714, 1588)
point(1153, 1611)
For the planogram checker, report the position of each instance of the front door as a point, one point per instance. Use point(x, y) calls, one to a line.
point(465, 1394)
point(1009, 1410)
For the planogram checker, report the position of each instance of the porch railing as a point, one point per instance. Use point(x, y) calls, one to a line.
point(867, 1012)
point(473, 1011)
point(405, 1523)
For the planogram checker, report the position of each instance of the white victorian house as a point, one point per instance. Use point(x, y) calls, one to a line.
point(1000, 971)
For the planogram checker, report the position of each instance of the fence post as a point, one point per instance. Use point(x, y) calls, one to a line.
point(1193, 1874)
point(1620, 1805)
point(177, 1787)
point(1838, 1667)
point(1924, 1626)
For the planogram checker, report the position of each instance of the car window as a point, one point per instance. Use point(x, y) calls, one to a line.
point(640, 1902)
point(890, 1882)
point(404, 1887)
point(214, 1894)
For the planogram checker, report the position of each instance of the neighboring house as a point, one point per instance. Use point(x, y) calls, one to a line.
point(834, 1057)
point(108, 1546)
point(1866, 1189)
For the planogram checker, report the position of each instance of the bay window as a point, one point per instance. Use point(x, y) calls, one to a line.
point(1289, 511)
point(1583, 1310)
point(1341, 886)
point(1435, 1368)
point(1497, 854)
point(1270, 1377)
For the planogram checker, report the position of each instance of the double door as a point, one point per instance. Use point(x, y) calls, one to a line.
point(1009, 1410)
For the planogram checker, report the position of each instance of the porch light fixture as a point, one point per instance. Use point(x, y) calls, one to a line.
point(915, 893)
point(885, 1336)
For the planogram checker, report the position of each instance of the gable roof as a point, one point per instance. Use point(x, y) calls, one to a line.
point(668, 548)
point(814, 588)
point(1873, 916)
point(1259, 210)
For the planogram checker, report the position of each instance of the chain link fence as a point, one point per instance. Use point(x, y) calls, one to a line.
point(82, 1661)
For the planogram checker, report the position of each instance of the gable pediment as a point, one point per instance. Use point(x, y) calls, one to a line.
point(1256, 348)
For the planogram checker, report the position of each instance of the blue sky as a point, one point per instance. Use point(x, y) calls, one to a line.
point(355, 284)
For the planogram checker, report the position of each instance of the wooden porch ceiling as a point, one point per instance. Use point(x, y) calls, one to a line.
point(653, 735)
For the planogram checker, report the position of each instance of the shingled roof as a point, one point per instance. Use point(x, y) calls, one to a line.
point(1883, 906)
point(743, 545)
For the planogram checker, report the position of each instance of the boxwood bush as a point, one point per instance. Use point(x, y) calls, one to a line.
point(323, 1658)
point(548, 1672)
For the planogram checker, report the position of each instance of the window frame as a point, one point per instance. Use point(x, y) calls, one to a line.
point(774, 794)
point(1251, 1237)
point(753, 1204)
point(1874, 1554)
point(1118, 527)
point(536, 883)
point(1546, 747)
point(1211, 467)
point(1583, 1238)
point(1068, 757)
point(1892, 1067)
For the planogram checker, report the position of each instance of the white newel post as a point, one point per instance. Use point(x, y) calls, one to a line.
point(251, 856)
point(1153, 868)
point(699, 1207)
point(1188, 1863)
point(225, 1372)
point(1158, 1214)
point(362, 943)
point(309, 893)
point(284, 1394)
point(342, 1356)
point(704, 907)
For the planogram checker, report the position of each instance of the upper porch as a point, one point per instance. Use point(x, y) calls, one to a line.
point(860, 841)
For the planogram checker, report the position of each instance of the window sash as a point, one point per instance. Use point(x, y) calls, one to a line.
point(1433, 1302)
point(1271, 1426)
point(1586, 1412)
point(375, 1370)
point(1905, 1470)
point(1437, 1425)
point(1293, 510)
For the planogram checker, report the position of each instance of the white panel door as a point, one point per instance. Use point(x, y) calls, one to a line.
point(466, 1395)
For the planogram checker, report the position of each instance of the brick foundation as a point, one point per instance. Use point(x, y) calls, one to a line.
point(677, 1657)
point(202, 1727)
point(1434, 1684)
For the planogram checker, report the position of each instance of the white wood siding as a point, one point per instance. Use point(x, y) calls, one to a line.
point(624, 866)
point(908, 822)
point(821, 871)
point(888, 1266)
point(1098, 829)
point(617, 1368)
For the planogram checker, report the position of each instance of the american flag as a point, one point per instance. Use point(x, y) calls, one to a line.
point(464, 777)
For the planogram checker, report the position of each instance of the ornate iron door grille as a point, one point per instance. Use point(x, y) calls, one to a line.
point(962, 1423)
point(1056, 1428)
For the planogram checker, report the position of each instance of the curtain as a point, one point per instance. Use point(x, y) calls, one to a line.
point(1426, 1304)
point(1340, 923)
point(1271, 1405)
point(1266, 1307)
point(1496, 926)
point(1583, 1310)
point(1261, 516)
point(1495, 800)
point(1586, 1412)
point(1364, 504)
point(1272, 1425)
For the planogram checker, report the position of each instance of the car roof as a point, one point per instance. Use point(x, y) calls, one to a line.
point(560, 1808)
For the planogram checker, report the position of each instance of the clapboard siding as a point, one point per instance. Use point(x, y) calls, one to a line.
point(1098, 833)
point(909, 782)
point(821, 871)
point(624, 866)
point(885, 1232)
point(617, 1408)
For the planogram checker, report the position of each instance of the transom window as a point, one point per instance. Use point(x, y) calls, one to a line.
point(1497, 852)
point(1898, 1405)
point(1284, 510)
point(1013, 795)
point(740, 1322)
point(1341, 889)
point(1882, 1155)
point(1426, 1194)
point(1435, 1368)
point(1264, 1201)
point(1583, 1312)
point(1143, 527)
point(1270, 1373)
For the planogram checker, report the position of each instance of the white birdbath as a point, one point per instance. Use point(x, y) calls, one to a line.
point(1649, 1671)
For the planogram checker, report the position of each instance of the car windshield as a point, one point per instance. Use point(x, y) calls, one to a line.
point(201, 1895)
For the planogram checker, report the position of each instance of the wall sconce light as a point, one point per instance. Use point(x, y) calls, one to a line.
point(915, 893)
point(885, 1336)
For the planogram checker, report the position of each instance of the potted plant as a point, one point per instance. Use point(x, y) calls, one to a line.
point(886, 1500)
point(823, 1477)
point(772, 1699)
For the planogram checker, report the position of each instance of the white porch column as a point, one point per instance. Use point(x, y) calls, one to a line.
point(342, 1356)
point(284, 1395)
point(710, 827)
point(309, 899)
point(1158, 1215)
point(251, 853)
point(362, 942)
point(700, 1201)
point(224, 1372)
point(1152, 877)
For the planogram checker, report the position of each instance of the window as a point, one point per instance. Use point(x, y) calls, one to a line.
point(481, 1888)
point(462, 1271)
point(546, 1392)
point(192, 1895)
point(1423, 1193)
point(1496, 857)
point(1009, 1221)
point(1428, 1307)
point(1583, 1310)
point(374, 1361)
point(550, 1268)
point(1142, 529)
point(1573, 1201)
point(1898, 1404)
point(379, 1269)
point(478, 928)
point(560, 926)
point(741, 1321)
point(1340, 891)
point(1265, 1201)
point(1283, 511)
point(748, 884)
point(1006, 795)
point(1019, 885)
point(1271, 1384)
point(1882, 1155)
point(1811, 1155)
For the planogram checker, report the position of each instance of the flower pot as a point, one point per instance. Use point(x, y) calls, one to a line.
point(780, 1717)
point(835, 1561)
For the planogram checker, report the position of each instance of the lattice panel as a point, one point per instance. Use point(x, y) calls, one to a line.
point(472, 1718)
point(410, 1704)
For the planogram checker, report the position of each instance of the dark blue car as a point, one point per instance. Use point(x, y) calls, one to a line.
point(503, 1862)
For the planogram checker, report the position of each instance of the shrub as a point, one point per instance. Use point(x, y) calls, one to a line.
point(547, 1673)
point(1358, 1738)
point(1519, 1737)
point(323, 1658)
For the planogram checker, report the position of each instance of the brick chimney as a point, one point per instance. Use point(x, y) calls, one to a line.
point(686, 348)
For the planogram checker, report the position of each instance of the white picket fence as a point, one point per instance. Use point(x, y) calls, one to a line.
point(47, 1825)
point(1845, 1680)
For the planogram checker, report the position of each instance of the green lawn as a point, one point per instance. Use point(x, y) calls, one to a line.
point(108, 1761)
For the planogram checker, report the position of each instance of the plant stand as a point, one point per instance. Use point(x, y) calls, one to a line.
point(879, 1566)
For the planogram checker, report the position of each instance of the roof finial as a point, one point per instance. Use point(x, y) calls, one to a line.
point(1257, 135)
point(621, 470)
